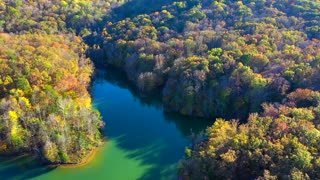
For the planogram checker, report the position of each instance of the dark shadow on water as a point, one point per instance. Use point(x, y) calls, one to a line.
point(188, 125)
point(162, 153)
point(22, 167)
point(142, 148)
point(118, 78)
point(160, 147)
point(151, 154)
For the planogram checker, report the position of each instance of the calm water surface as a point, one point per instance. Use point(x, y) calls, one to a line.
point(144, 142)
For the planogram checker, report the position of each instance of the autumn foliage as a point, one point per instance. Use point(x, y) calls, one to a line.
point(218, 58)
point(281, 143)
point(45, 108)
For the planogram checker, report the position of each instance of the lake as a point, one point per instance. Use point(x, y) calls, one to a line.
point(143, 141)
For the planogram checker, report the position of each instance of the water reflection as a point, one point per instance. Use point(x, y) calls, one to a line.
point(187, 125)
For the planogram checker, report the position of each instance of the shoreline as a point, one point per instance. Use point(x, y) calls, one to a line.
point(85, 160)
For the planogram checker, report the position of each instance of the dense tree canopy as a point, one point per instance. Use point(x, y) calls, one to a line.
point(251, 60)
point(280, 143)
point(254, 60)
point(54, 16)
point(218, 58)
point(45, 107)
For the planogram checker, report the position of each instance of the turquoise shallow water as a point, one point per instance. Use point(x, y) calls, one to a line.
point(144, 142)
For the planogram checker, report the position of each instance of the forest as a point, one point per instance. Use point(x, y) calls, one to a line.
point(282, 142)
point(253, 67)
point(254, 61)
point(45, 106)
point(219, 58)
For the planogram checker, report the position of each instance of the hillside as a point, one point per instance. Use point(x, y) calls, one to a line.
point(45, 106)
point(280, 143)
point(218, 58)
point(253, 67)
point(255, 61)
point(44, 103)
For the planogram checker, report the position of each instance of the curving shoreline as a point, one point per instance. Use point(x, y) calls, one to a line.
point(85, 160)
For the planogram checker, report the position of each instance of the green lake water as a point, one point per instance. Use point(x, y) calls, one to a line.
point(143, 141)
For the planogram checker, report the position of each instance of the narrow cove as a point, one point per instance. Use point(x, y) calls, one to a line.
point(143, 141)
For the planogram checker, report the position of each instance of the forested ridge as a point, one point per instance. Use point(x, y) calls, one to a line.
point(45, 107)
point(57, 16)
point(218, 58)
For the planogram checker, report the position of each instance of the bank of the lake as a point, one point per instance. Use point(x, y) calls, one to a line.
point(143, 142)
